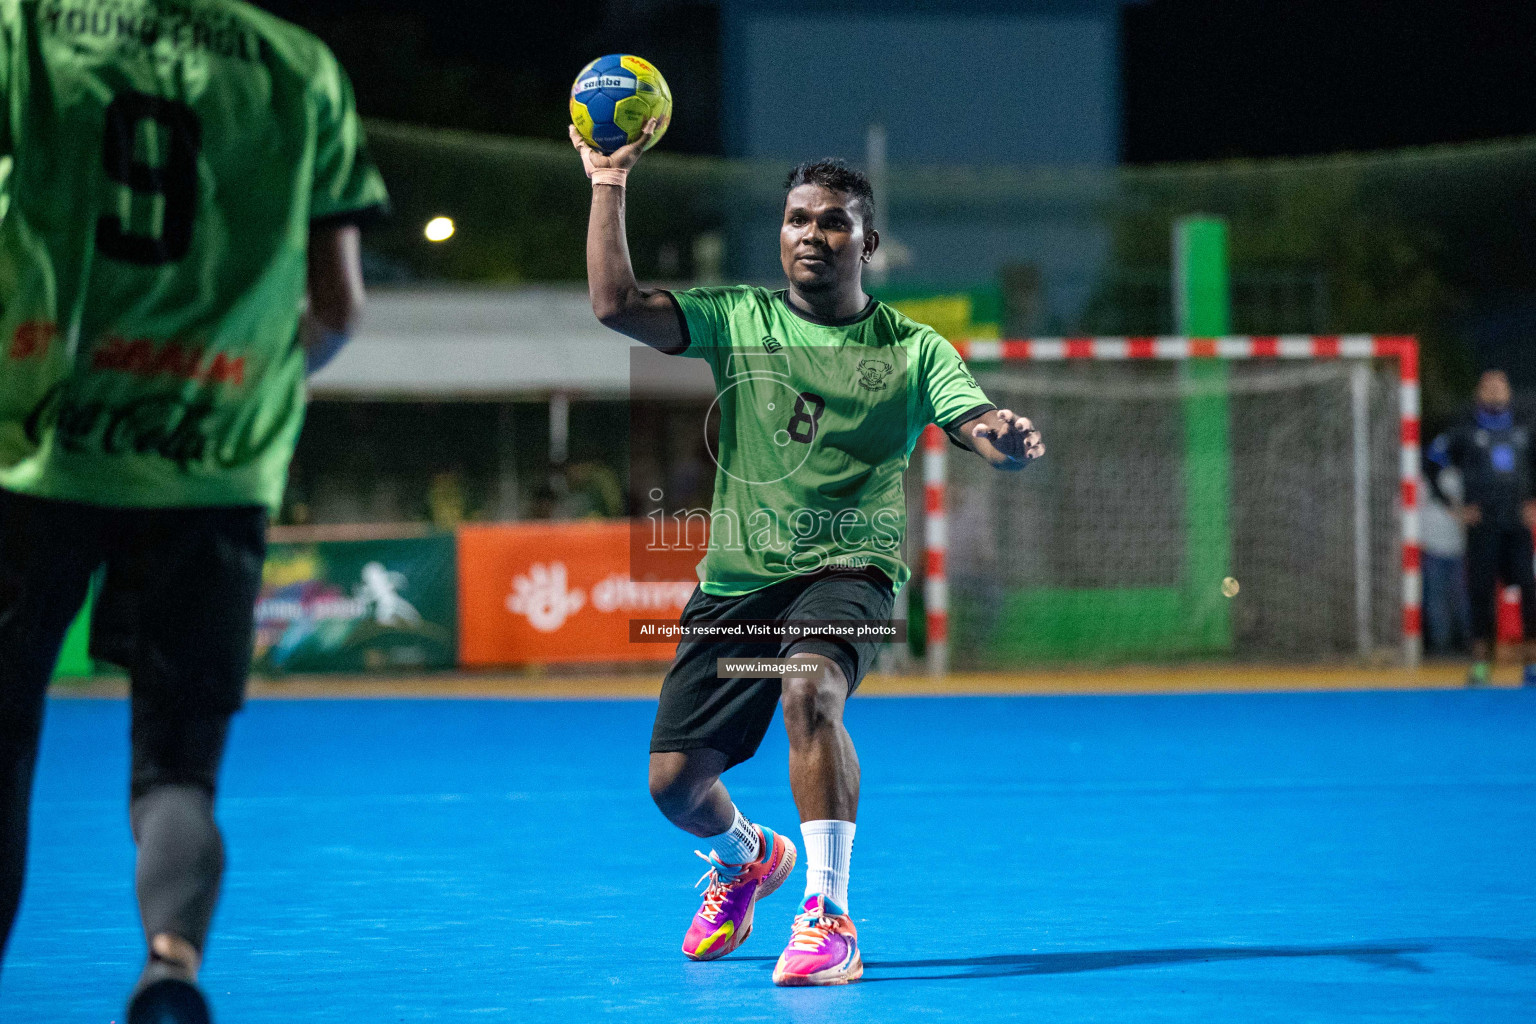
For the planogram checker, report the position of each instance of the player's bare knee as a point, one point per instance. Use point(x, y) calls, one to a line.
point(665, 782)
point(675, 790)
point(812, 703)
point(672, 797)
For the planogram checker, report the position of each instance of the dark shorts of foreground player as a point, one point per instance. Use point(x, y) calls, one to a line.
point(700, 710)
point(174, 606)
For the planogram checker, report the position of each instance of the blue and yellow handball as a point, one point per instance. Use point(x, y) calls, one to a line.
point(614, 97)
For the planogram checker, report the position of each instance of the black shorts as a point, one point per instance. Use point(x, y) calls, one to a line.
point(700, 710)
point(1498, 553)
point(176, 604)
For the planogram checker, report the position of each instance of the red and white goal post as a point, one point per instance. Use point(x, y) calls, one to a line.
point(984, 353)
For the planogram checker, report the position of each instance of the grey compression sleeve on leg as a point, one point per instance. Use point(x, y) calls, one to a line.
point(181, 853)
point(181, 861)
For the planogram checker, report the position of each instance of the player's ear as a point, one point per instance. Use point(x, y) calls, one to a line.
point(871, 243)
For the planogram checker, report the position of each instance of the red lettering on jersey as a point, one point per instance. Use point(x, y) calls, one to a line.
point(32, 338)
point(226, 370)
point(175, 361)
point(136, 357)
point(143, 358)
point(109, 355)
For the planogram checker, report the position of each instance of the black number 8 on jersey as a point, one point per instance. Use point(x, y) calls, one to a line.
point(808, 410)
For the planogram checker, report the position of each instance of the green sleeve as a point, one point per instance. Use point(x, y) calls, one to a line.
point(950, 393)
point(706, 319)
point(10, 22)
point(347, 185)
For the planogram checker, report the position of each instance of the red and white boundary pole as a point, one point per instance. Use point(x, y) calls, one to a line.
point(1403, 349)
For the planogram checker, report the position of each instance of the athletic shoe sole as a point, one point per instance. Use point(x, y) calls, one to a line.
point(766, 887)
point(839, 975)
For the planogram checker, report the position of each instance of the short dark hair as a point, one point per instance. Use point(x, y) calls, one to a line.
point(836, 175)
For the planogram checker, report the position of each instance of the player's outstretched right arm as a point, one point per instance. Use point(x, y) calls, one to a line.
point(647, 315)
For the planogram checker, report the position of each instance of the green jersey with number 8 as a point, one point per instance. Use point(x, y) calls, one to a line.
point(817, 421)
point(161, 165)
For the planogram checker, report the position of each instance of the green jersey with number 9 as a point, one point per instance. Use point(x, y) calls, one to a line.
point(161, 165)
point(816, 422)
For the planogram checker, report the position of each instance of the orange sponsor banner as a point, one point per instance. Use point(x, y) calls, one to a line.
point(547, 593)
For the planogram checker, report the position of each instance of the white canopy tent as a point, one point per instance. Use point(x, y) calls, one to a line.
point(480, 344)
point(538, 344)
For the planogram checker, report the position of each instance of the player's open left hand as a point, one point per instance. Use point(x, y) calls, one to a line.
point(1012, 435)
point(622, 158)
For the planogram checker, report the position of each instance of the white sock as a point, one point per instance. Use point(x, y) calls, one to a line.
point(739, 844)
point(828, 855)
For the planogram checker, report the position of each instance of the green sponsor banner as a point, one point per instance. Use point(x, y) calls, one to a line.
point(358, 606)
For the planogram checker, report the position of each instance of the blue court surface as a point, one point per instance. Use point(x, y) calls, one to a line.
point(1295, 858)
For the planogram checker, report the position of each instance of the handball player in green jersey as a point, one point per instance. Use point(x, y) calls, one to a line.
point(175, 177)
point(823, 393)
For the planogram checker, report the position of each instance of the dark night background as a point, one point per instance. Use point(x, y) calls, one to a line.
point(1202, 79)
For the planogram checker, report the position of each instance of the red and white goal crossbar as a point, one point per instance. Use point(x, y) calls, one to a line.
point(1405, 350)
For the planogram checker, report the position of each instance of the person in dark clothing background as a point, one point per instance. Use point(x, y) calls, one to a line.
point(1493, 452)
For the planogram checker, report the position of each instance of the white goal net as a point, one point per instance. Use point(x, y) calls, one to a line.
point(1244, 509)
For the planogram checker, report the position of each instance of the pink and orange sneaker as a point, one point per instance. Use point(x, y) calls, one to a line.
point(823, 949)
point(725, 919)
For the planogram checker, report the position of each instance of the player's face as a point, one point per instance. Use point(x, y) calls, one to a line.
point(822, 241)
point(1493, 390)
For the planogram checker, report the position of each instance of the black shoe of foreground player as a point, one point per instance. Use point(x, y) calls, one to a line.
point(166, 994)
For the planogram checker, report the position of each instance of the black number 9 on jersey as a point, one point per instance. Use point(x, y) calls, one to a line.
point(173, 180)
